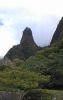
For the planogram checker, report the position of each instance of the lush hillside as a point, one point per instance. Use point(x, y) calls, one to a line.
point(48, 61)
point(40, 73)
point(15, 77)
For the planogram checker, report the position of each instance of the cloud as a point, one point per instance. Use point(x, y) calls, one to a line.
point(37, 7)
point(6, 37)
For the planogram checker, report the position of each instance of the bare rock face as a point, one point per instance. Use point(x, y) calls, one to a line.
point(27, 37)
point(25, 49)
point(58, 34)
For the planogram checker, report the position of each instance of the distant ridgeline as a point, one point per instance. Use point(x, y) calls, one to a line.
point(28, 47)
point(25, 49)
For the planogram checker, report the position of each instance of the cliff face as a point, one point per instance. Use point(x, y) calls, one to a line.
point(58, 34)
point(27, 37)
point(25, 49)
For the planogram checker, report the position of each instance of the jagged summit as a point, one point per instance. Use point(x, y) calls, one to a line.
point(58, 34)
point(27, 37)
point(25, 49)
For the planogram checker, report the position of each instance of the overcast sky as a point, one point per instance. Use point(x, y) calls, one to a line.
point(42, 16)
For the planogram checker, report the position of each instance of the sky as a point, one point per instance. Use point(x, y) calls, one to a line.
point(42, 16)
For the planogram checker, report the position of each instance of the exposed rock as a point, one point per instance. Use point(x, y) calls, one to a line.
point(25, 49)
point(58, 34)
point(10, 96)
point(33, 95)
point(28, 95)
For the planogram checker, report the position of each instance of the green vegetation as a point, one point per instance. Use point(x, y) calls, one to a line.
point(15, 78)
point(43, 72)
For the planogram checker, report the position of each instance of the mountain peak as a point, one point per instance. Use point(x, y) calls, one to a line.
point(25, 49)
point(27, 31)
point(27, 37)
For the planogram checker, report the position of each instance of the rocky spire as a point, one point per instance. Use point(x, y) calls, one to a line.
point(25, 49)
point(27, 38)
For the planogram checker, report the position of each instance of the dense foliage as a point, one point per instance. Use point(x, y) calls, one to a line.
point(44, 70)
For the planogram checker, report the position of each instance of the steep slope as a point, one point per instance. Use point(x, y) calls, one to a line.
point(58, 34)
point(25, 49)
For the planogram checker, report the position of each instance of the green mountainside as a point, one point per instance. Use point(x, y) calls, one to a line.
point(40, 75)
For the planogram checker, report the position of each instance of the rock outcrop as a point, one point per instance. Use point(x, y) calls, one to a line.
point(25, 49)
point(58, 34)
point(11, 95)
point(21, 95)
